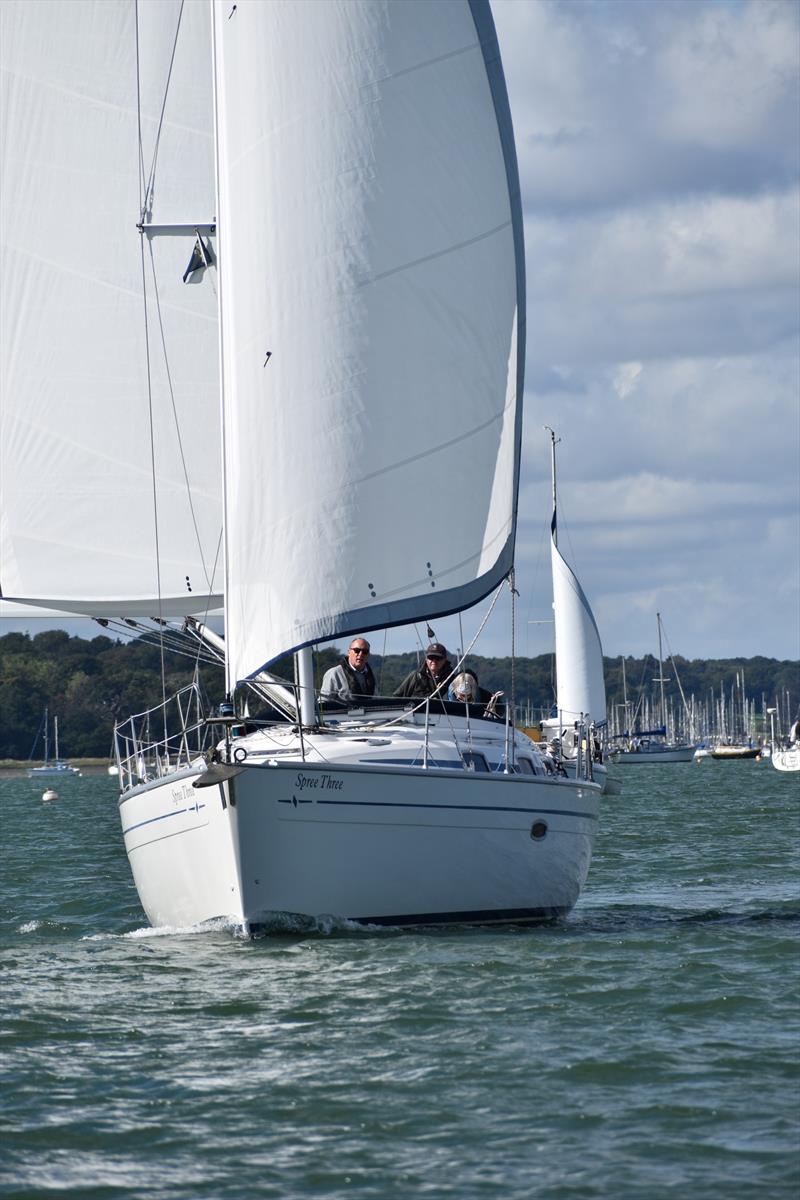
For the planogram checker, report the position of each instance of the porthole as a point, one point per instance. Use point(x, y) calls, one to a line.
point(538, 830)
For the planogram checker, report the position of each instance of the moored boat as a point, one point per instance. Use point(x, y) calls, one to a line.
point(653, 745)
point(785, 756)
point(733, 752)
point(56, 766)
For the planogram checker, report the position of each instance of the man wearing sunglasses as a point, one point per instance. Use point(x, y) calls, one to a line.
point(433, 674)
point(352, 677)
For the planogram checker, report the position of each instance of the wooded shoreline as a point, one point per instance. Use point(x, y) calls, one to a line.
point(91, 683)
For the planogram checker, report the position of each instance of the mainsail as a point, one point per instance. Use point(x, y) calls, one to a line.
point(109, 443)
point(372, 300)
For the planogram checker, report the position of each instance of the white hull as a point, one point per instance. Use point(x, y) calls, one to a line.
point(57, 769)
point(786, 760)
point(665, 755)
point(364, 841)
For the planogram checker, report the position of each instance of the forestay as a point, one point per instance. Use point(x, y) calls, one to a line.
point(372, 316)
point(79, 528)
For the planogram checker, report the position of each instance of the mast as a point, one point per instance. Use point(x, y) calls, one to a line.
point(304, 667)
point(229, 682)
point(661, 674)
point(553, 443)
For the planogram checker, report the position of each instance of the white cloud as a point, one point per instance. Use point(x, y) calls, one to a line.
point(728, 74)
point(623, 104)
point(625, 378)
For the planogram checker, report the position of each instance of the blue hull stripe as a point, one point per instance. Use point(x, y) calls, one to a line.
point(177, 812)
point(551, 812)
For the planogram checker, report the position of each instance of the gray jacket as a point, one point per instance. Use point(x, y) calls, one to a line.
point(343, 683)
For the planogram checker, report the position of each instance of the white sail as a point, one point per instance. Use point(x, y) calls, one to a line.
point(78, 522)
point(580, 684)
point(372, 299)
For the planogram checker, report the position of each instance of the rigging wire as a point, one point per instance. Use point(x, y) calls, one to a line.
point(147, 198)
point(143, 200)
point(189, 495)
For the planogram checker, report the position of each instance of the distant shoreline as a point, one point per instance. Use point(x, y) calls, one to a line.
point(12, 764)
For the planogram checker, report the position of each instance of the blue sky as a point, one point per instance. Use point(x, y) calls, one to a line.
point(659, 146)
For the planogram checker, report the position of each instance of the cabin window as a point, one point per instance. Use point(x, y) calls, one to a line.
point(526, 767)
point(474, 761)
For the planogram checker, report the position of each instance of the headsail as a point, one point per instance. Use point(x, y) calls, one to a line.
point(77, 524)
point(580, 685)
point(372, 316)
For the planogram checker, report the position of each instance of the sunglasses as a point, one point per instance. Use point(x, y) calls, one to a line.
point(358, 650)
point(435, 657)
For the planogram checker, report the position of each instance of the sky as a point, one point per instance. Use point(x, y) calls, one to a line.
point(658, 146)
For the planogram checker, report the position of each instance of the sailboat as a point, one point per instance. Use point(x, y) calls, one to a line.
point(349, 222)
point(56, 766)
point(653, 745)
point(580, 682)
point(785, 757)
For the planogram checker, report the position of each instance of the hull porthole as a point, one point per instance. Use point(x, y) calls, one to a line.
point(538, 830)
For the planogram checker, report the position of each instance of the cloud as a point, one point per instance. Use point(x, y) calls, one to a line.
point(625, 378)
point(620, 104)
point(715, 276)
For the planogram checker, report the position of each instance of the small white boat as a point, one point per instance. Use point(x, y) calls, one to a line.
point(785, 758)
point(646, 750)
point(580, 680)
point(56, 767)
point(652, 745)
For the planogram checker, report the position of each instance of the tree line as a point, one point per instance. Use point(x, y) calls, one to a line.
point(91, 683)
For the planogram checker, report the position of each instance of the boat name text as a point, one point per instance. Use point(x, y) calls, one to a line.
point(182, 791)
point(322, 782)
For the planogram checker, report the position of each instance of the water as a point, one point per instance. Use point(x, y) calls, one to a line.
point(645, 1047)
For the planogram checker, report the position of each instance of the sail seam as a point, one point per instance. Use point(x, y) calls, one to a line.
point(448, 445)
point(422, 66)
point(481, 237)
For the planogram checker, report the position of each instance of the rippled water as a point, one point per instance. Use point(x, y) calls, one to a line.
point(645, 1047)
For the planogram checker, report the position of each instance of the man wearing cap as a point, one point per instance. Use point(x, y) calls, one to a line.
point(352, 677)
point(433, 674)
